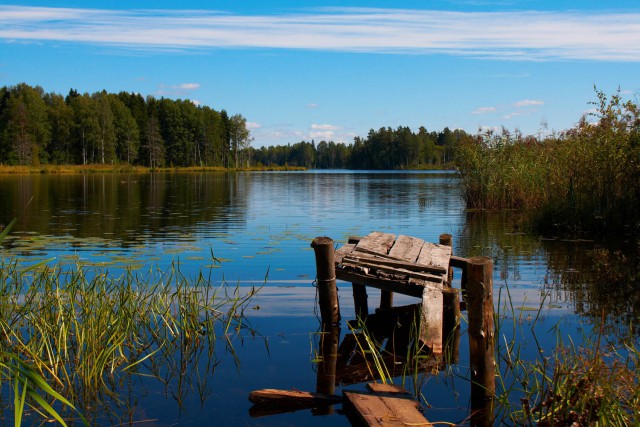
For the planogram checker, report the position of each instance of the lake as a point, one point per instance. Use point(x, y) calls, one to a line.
point(255, 228)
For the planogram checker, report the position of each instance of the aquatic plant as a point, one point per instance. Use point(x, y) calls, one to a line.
point(81, 332)
point(576, 384)
point(583, 179)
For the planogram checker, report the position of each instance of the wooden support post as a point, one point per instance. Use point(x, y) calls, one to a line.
point(326, 376)
point(481, 339)
point(326, 280)
point(447, 240)
point(451, 325)
point(386, 299)
point(360, 301)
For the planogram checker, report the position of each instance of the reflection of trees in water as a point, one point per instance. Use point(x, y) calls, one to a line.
point(593, 279)
point(124, 207)
point(600, 282)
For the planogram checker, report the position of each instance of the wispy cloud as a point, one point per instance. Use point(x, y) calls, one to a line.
point(177, 90)
point(188, 86)
point(528, 103)
point(324, 127)
point(484, 110)
point(505, 35)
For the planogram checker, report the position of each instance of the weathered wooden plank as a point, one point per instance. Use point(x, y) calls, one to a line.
point(343, 251)
point(347, 262)
point(458, 262)
point(376, 243)
point(432, 254)
point(358, 257)
point(431, 319)
point(290, 398)
point(402, 287)
point(385, 388)
point(374, 410)
point(406, 248)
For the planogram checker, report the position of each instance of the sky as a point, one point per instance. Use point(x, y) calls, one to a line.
point(334, 70)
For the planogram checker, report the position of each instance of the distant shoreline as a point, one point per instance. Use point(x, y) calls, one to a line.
point(84, 169)
point(98, 168)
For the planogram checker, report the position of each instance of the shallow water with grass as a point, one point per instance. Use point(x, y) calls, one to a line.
point(253, 229)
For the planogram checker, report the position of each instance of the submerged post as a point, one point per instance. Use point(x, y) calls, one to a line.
point(326, 280)
point(326, 375)
point(481, 339)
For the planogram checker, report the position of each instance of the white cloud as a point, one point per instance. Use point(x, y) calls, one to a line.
point(253, 125)
point(518, 35)
point(528, 103)
point(312, 105)
point(484, 110)
point(325, 127)
point(187, 86)
point(196, 102)
point(177, 90)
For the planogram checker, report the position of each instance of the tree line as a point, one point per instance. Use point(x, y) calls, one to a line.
point(385, 148)
point(37, 127)
point(106, 128)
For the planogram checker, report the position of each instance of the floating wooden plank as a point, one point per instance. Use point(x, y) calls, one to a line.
point(431, 319)
point(376, 243)
point(376, 410)
point(406, 248)
point(432, 254)
point(386, 388)
point(361, 257)
point(290, 398)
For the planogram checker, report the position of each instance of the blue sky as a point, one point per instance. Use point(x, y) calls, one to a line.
point(319, 70)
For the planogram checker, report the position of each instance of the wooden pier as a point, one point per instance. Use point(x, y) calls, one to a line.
point(410, 266)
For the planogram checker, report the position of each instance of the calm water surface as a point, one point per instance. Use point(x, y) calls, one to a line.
point(259, 225)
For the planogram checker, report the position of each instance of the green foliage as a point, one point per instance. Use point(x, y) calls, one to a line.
point(588, 385)
point(584, 179)
point(384, 149)
point(81, 332)
point(103, 128)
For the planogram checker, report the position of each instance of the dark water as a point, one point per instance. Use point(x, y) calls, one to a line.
point(260, 225)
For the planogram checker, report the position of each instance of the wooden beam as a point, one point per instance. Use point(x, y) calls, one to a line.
point(458, 262)
point(360, 257)
point(348, 262)
point(401, 287)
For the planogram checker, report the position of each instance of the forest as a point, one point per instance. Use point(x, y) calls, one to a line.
point(37, 127)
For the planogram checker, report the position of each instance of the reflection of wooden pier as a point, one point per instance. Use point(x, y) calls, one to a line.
point(409, 266)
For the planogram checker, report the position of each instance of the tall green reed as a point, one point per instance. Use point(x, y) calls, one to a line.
point(85, 331)
point(583, 179)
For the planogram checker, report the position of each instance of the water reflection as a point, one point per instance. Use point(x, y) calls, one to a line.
point(262, 223)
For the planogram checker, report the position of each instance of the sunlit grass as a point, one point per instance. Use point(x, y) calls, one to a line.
point(83, 330)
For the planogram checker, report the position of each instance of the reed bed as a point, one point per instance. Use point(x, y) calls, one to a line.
point(592, 383)
point(84, 333)
point(583, 179)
